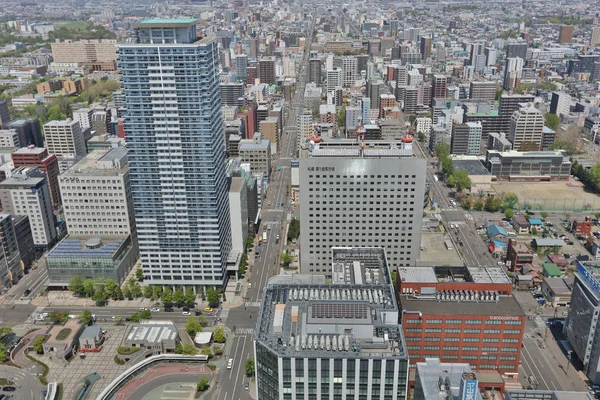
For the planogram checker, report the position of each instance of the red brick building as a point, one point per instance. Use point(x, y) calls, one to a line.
point(461, 314)
point(581, 227)
point(517, 255)
point(32, 156)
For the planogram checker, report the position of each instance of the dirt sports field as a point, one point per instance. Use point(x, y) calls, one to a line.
point(551, 196)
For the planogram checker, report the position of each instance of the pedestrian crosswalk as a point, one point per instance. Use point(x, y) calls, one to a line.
point(223, 316)
point(33, 316)
point(449, 209)
point(252, 304)
point(244, 331)
point(527, 335)
point(22, 300)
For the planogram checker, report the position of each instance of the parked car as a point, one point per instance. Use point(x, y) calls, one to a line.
point(208, 309)
point(230, 363)
point(186, 313)
point(154, 309)
point(9, 388)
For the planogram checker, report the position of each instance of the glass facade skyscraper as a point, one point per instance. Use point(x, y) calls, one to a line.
point(177, 153)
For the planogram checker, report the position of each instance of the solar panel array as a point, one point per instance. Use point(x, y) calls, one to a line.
point(72, 248)
point(340, 310)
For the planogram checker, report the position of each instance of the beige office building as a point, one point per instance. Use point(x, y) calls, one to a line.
point(64, 138)
point(97, 199)
point(100, 54)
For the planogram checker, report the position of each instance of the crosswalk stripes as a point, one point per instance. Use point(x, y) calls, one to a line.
point(32, 317)
point(449, 209)
point(244, 331)
point(18, 301)
point(223, 316)
point(252, 304)
point(527, 335)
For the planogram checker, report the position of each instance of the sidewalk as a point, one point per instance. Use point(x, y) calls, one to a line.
point(66, 298)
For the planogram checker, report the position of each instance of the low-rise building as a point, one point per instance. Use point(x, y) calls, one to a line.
point(257, 152)
point(581, 226)
point(557, 291)
point(157, 337)
point(520, 224)
point(63, 339)
point(517, 255)
point(528, 166)
point(546, 395)
point(435, 380)
point(91, 339)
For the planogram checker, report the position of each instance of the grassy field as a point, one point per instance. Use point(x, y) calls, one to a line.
point(74, 25)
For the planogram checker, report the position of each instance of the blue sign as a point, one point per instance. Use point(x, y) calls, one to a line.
point(588, 278)
point(469, 390)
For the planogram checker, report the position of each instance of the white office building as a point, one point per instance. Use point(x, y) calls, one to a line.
point(334, 79)
point(64, 138)
point(84, 117)
point(349, 66)
point(513, 71)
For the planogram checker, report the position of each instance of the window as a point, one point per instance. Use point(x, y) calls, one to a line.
point(491, 331)
point(489, 349)
point(451, 339)
point(488, 357)
point(509, 349)
point(413, 321)
point(470, 348)
point(490, 340)
point(473, 322)
point(414, 330)
point(432, 339)
point(433, 330)
point(471, 339)
point(510, 340)
point(452, 330)
point(433, 321)
point(453, 321)
point(472, 330)
point(508, 358)
point(467, 357)
point(451, 348)
point(413, 347)
point(431, 348)
point(512, 331)
point(513, 322)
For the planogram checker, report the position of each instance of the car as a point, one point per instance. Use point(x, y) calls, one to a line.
point(565, 313)
point(549, 224)
point(277, 238)
point(27, 292)
point(249, 285)
point(186, 313)
point(143, 309)
point(9, 389)
point(246, 385)
point(208, 309)
point(197, 312)
point(169, 309)
point(570, 243)
point(186, 309)
point(230, 363)
point(155, 309)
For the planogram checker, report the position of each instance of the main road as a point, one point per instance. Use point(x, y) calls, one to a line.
point(242, 320)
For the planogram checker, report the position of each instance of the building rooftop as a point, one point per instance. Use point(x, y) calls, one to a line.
point(347, 148)
point(158, 22)
point(71, 324)
point(250, 144)
point(82, 248)
point(152, 332)
point(458, 274)
point(560, 286)
point(471, 167)
point(90, 332)
point(547, 242)
point(305, 317)
point(105, 162)
point(30, 150)
point(546, 395)
point(441, 381)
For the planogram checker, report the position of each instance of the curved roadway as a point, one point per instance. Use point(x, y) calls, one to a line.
point(28, 387)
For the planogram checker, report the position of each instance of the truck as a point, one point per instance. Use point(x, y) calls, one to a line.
point(264, 238)
point(448, 244)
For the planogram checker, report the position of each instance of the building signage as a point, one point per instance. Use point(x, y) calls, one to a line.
point(469, 390)
point(589, 278)
point(504, 317)
point(322, 169)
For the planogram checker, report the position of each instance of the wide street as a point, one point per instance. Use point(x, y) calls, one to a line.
point(28, 386)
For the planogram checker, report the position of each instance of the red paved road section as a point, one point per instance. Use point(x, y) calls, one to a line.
point(154, 373)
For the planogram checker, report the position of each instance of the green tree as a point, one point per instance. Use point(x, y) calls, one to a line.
point(57, 317)
point(447, 165)
point(99, 297)
point(534, 231)
point(136, 290)
point(186, 348)
point(3, 353)
point(76, 284)
point(189, 296)
point(467, 203)
point(213, 296)
point(110, 288)
point(203, 385)
point(38, 344)
point(135, 317)
point(139, 274)
point(478, 205)
point(146, 314)
point(179, 296)
point(286, 259)
point(218, 336)
point(394, 275)
point(492, 204)
point(249, 366)
point(420, 136)
point(5, 330)
point(88, 288)
point(192, 326)
point(148, 292)
point(544, 214)
point(85, 317)
point(341, 117)
point(202, 320)
point(127, 293)
point(249, 242)
point(156, 292)
point(294, 229)
point(552, 121)
point(118, 294)
point(167, 296)
point(460, 180)
point(205, 350)
point(442, 150)
point(509, 213)
point(510, 200)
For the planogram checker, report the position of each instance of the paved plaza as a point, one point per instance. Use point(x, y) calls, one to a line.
point(71, 374)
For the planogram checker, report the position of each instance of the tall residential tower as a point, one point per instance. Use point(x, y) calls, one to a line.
point(177, 153)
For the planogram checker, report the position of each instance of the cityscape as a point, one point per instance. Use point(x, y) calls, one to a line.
point(285, 200)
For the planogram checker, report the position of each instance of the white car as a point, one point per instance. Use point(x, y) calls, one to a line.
point(186, 313)
point(142, 309)
point(155, 309)
point(230, 363)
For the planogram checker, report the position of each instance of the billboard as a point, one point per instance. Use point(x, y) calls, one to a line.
point(468, 389)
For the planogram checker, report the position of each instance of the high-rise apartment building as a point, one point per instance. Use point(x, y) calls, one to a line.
point(482, 91)
point(305, 127)
point(516, 49)
point(365, 105)
point(438, 87)
point(26, 193)
point(491, 55)
point(314, 71)
point(466, 138)
point(241, 66)
point(99, 54)
point(64, 138)
point(375, 87)
point(566, 34)
point(508, 105)
point(10, 258)
point(29, 131)
point(266, 70)
point(4, 115)
point(526, 129)
point(355, 218)
point(513, 70)
point(319, 341)
point(232, 94)
point(104, 175)
point(84, 117)
point(425, 47)
point(560, 103)
point(177, 154)
point(32, 156)
point(334, 79)
point(348, 70)
point(595, 36)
